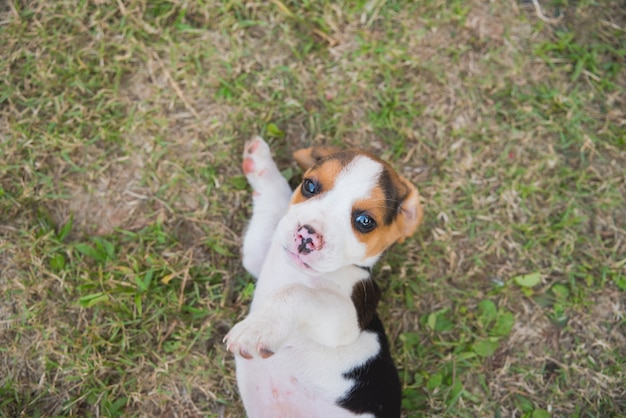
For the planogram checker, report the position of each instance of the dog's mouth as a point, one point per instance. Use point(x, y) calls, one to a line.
point(297, 261)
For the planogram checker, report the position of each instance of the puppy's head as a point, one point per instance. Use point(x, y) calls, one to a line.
point(349, 208)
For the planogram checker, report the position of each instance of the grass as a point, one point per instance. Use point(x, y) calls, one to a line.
point(122, 203)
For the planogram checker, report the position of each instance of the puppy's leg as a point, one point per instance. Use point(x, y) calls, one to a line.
point(326, 317)
point(270, 198)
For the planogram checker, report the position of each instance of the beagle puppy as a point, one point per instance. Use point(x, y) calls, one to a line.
point(312, 344)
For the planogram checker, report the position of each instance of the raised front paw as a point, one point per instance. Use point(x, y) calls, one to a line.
point(256, 336)
point(257, 164)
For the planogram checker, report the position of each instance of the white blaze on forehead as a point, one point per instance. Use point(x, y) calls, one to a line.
point(357, 179)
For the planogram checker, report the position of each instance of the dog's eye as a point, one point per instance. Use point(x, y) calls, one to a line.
point(364, 223)
point(310, 187)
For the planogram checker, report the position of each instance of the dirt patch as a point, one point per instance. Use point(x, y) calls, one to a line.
point(114, 199)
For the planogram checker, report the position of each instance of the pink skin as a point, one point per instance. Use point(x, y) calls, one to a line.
point(295, 258)
point(308, 240)
point(263, 351)
point(247, 165)
point(305, 241)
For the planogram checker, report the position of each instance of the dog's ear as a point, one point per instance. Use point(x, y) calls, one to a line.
point(308, 157)
point(410, 212)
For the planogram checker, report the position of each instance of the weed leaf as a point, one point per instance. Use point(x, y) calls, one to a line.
point(503, 325)
point(66, 229)
point(486, 347)
point(528, 280)
point(93, 299)
point(488, 312)
point(88, 250)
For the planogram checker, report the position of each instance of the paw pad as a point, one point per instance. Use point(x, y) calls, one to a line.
point(265, 352)
point(247, 165)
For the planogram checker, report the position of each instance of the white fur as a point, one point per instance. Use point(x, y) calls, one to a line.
point(268, 206)
point(304, 315)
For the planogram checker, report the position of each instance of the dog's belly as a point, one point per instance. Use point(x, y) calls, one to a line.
point(303, 379)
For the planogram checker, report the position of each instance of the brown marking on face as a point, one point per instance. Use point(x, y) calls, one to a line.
point(395, 207)
point(323, 173)
point(308, 157)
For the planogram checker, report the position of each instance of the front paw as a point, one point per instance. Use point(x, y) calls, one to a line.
point(258, 165)
point(256, 336)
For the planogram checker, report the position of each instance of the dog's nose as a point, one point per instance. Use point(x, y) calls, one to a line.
point(307, 239)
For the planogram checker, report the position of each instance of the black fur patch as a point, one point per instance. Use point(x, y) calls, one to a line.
point(365, 297)
point(376, 387)
point(395, 193)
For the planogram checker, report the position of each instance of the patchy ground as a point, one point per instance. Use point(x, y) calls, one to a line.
point(122, 200)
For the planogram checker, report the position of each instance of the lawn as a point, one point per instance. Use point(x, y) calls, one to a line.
point(122, 201)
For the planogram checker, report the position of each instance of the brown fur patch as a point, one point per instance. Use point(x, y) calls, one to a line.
point(323, 174)
point(308, 157)
point(394, 194)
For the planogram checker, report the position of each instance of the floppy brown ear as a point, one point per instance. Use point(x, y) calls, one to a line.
point(410, 213)
point(308, 157)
